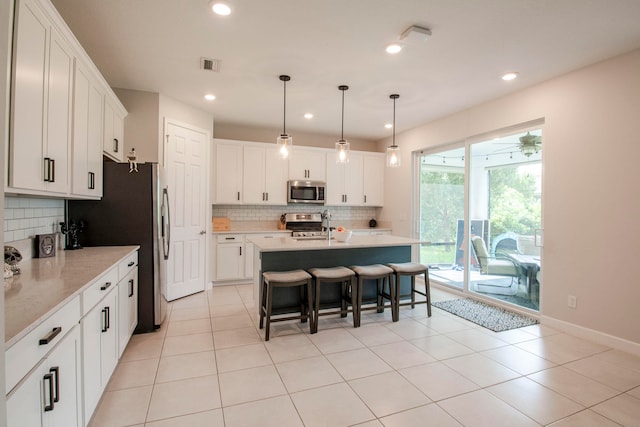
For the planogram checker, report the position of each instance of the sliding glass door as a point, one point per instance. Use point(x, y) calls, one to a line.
point(493, 248)
point(441, 223)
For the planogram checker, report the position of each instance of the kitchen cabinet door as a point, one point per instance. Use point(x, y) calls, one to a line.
point(228, 185)
point(265, 176)
point(113, 133)
point(373, 180)
point(335, 190)
point(253, 166)
point(230, 261)
point(87, 135)
point(308, 164)
point(127, 309)
point(344, 181)
point(249, 250)
point(49, 395)
point(42, 101)
point(353, 180)
point(276, 177)
point(99, 349)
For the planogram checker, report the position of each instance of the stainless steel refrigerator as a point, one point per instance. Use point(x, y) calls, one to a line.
point(134, 210)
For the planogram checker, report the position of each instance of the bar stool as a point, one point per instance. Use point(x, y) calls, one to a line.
point(348, 292)
point(411, 269)
point(377, 272)
point(285, 279)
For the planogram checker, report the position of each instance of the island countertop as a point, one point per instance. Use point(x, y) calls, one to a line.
point(277, 244)
point(45, 284)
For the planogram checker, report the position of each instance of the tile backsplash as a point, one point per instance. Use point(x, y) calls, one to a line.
point(272, 213)
point(24, 217)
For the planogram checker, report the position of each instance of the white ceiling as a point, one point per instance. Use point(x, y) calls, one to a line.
point(156, 45)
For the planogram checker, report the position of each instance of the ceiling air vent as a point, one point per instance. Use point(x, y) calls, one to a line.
point(210, 64)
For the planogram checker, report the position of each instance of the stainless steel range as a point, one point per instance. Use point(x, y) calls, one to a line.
point(305, 225)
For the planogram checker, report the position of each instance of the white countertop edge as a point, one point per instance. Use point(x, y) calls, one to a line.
point(284, 244)
point(34, 324)
point(254, 231)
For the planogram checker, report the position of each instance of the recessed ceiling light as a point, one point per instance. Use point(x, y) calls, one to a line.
point(308, 116)
point(394, 48)
point(388, 125)
point(509, 76)
point(220, 8)
point(209, 97)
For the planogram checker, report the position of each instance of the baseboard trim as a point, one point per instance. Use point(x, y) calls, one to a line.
point(592, 335)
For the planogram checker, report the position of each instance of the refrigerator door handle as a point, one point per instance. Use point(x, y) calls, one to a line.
point(166, 225)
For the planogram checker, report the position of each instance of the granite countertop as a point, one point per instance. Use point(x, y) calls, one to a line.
point(45, 284)
point(356, 241)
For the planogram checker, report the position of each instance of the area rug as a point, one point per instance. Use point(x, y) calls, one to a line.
point(493, 318)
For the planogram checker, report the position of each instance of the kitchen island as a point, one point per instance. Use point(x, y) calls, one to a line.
point(287, 253)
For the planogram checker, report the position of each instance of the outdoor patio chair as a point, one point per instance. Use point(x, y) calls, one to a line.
point(499, 265)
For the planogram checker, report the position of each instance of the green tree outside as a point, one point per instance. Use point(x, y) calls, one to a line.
point(514, 206)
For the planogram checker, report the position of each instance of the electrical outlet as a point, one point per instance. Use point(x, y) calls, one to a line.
point(572, 301)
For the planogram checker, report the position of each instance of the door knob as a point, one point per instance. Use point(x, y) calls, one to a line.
point(203, 232)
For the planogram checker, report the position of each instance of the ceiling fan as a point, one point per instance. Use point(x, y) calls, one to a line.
point(530, 144)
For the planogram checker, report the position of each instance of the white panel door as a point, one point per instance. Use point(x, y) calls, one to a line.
point(187, 181)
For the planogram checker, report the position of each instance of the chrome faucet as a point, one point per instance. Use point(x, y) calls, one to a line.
point(326, 215)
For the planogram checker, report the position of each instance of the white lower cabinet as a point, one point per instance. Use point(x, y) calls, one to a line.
point(127, 308)
point(50, 395)
point(99, 349)
point(229, 256)
point(233, 255)
point(57, 372)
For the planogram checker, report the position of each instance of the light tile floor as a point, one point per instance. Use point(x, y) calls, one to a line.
point(209, 366)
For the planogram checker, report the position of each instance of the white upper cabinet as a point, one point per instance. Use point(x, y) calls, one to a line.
point(87, 135)
point(228, 172)
point(344, 181)
point(265, 175)
point(58, 110)
point(41, 105)
point(308, 164)
point(373, 179)
point(113, 137)
point(253, 173)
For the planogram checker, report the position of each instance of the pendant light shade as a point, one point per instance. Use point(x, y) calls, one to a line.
point(393, 151)
point(342, 146)
point(285, 140)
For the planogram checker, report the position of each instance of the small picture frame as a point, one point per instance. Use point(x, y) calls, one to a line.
point(45, 245)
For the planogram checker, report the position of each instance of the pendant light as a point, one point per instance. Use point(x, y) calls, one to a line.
point(284, 140)
point(342, 146)
point(393, 151)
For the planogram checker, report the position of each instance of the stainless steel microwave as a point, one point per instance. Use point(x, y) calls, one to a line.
point(311, 192)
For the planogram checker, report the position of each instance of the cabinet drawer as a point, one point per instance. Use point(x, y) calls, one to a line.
point(127, 265)
point(101, 287)
point(26, 353)
point(230, 238)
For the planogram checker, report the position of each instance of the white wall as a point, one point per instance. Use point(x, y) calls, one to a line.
point(141, 122)
point(591, 205)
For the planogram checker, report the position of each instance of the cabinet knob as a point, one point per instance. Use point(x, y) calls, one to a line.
point(202, 232)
